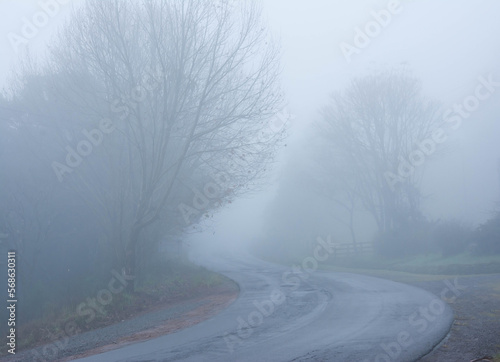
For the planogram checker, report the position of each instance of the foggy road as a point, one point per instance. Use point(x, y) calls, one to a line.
point(135, 135)
point(286, 314)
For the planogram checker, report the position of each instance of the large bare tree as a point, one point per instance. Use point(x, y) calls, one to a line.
point(172, 91)
point(372, 132)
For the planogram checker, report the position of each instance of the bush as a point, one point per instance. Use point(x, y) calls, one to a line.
point(487, 237)
point(452, 237)
point(409, 239)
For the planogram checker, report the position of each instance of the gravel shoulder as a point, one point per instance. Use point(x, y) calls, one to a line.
point(476, 329)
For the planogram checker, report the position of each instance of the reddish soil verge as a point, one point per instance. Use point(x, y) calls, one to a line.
point(215, 301)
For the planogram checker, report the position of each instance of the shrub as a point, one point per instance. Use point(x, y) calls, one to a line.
point(452, 237)
point(487, 237)
point(411, 238)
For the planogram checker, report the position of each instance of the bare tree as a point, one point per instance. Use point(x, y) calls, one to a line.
point(379, 122)
point(172, 91)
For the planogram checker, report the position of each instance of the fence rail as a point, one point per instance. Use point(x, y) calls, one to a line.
point(350, 249)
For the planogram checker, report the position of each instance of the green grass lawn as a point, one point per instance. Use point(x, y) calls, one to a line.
point(430, 264)
point(397, 276)
point(460, 259)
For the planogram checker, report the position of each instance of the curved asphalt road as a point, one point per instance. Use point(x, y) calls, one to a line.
point(288, 314)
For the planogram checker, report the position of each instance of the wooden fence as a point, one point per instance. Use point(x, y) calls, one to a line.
point(350, 249)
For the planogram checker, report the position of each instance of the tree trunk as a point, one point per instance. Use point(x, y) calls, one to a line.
point(130, 260)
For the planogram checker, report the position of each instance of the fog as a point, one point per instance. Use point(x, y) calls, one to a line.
point(448, 45)
point(281, 137)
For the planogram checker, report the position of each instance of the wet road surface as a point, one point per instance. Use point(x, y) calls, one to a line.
point(302, 314)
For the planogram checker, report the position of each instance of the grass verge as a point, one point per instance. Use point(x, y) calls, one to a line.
point(430, 264)
point(163, 285)
point(430, 267)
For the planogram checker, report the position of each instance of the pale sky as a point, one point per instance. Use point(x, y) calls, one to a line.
point(447, 43)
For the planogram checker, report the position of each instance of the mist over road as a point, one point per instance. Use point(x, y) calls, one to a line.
point(286, 314)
